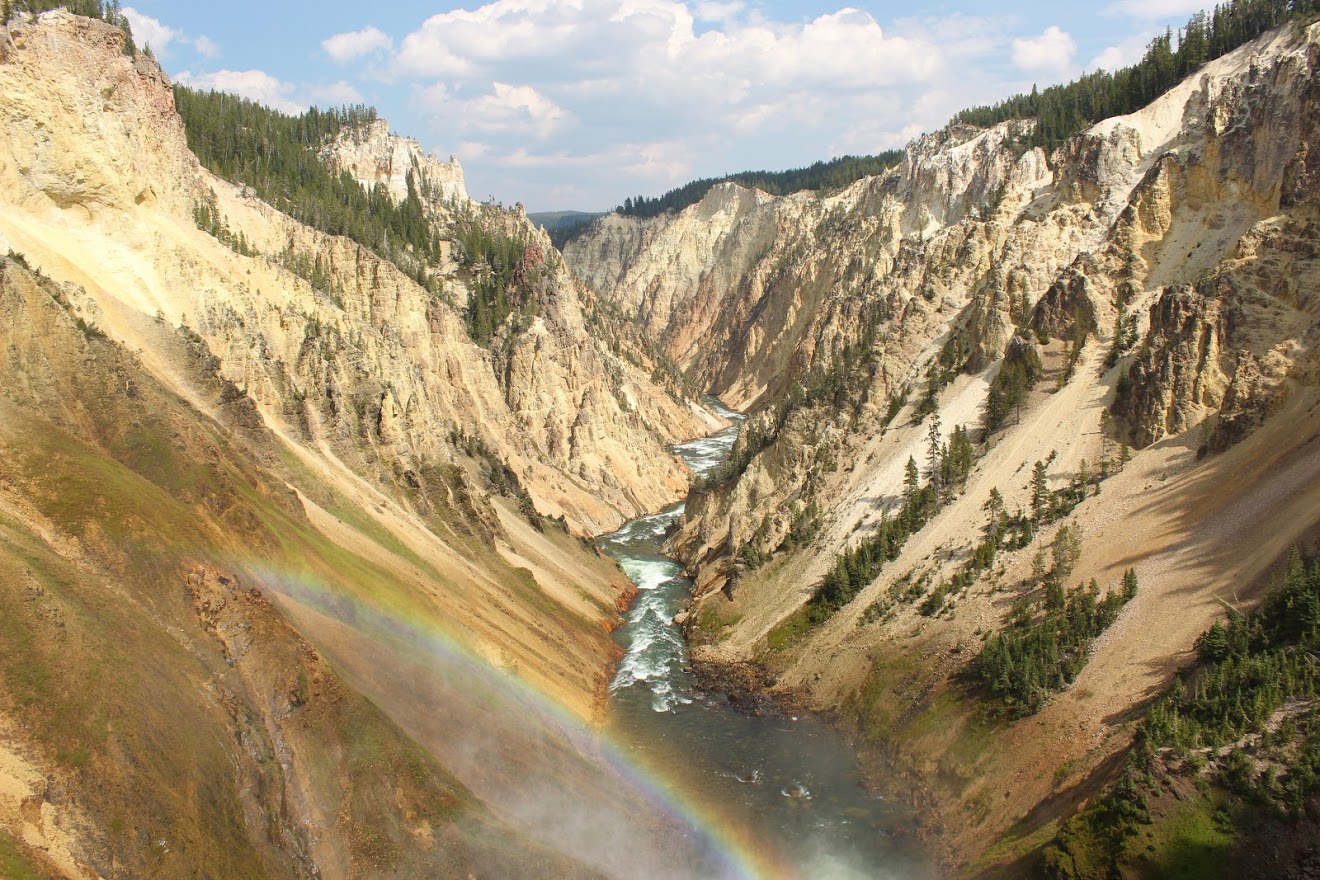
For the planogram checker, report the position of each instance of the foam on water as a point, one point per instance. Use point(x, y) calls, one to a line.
point(793, 784)
point(648, 574)
point(656, 654)
point(707, 453)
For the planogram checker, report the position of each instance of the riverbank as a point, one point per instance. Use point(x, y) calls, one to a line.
point(773, 771)
point(752, 688)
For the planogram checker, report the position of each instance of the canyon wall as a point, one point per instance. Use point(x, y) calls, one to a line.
point(230, 480)
point(1161, 267)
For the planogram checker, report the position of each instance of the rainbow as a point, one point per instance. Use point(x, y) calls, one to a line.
point(691, 838)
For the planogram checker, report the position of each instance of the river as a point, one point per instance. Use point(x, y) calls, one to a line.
point(789, 784)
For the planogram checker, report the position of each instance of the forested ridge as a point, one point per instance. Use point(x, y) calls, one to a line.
point(1063, 110)
point(277, 156)
point(831, 174)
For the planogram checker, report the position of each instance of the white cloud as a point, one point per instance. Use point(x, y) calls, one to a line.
point(1122, 55)
point(1152, 10)
point(646, 93)
point(256, 85)
point(148, 31)
point(473, 149)
point(206, 47)
point(1051, 52)
point(335, 94)
point(712, 11)
point(354, 44)
point(637, 37)
point(515, 108)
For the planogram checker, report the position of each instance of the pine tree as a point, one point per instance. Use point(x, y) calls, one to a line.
point(1067, 550)
point(1039, 565)
point(1129, 584)
point(994, 505)
point(1040, 495)
point(935, 457)
point(1106, 426)
point(911, 485)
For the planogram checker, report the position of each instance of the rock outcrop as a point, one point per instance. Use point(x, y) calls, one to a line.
point(374, 155)
point(1178, 377)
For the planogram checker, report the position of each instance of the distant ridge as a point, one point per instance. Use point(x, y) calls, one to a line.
point(563, 226)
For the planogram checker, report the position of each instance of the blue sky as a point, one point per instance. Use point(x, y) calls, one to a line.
point(579, 103)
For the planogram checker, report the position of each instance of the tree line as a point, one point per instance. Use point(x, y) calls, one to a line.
point(949, 464)
point(276, 156)
point(832, 174)
point(497, 263)
point(1047, 643)
point(1063, 110)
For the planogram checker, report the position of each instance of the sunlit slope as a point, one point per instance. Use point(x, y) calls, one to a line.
point(160, 716)
point(200, 445)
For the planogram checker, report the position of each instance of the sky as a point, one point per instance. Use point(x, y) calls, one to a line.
point(576, 104)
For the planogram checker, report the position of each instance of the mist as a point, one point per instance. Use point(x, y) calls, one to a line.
point(536, 768)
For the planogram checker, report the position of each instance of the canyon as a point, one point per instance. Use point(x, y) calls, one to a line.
point(1162, 267)
point(298, 571)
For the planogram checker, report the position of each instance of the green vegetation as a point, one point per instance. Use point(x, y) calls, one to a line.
point(848, 368)
point(1254, 666)
point(499, 266)
point(1046, 643)
point(1243, 720)
point(834, 174)
point(857, 566)
point(503, 480)
point(1062, 111)
point(948, 467)
point(1018, 374)
point(207, 216)
point(1126, 333)
point(1004, 531)
point(14, 863)
point(944, 369)
point(276, 155)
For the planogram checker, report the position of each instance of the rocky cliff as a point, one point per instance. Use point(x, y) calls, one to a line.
point(1149, 285)
point(224, 461)
point(373, 155)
